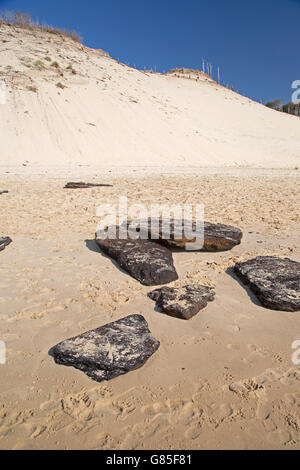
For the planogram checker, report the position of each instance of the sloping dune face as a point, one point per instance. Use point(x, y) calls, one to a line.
point(69, 104)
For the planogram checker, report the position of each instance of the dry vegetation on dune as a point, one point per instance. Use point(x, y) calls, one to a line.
point(25, 21)
point(56, 86)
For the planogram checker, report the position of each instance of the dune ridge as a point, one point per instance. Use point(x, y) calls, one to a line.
point(68, 104)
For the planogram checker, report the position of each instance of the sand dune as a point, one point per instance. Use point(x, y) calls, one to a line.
point(109, 114)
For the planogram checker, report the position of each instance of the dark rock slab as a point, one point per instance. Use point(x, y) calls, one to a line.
point(183, 302)
point(3, 192)
point(111, 350)
point(82, 185)
point(4, 241)
point(220, 237)
point(275, 281)
point(148, 262)
point(217, 237)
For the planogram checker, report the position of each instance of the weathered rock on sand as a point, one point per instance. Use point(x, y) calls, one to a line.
point(217, 237)
point(81, 185)
point(4, 241)
point(220, 237)
point(275, 281)
point(183, 302)
point(148, 262)
point(111, 350)
point(3, 192)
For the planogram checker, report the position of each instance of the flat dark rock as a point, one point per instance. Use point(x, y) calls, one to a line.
point(81, 185)
point(3, 192)
point(148, 262)
point(220, 237)
point(275, 281)
point(217, 237)
point(111, 350)
point(183, 302)
point(4, 241)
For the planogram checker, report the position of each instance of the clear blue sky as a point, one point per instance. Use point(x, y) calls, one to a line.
point(256, 43)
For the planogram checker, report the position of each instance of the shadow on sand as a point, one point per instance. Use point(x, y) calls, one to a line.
point(251, 295)
point(92, 246)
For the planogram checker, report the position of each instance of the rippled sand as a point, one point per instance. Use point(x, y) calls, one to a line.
point(224, 379)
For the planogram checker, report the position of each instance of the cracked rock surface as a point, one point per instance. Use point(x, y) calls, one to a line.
point(111, 350)
point(183, 302)
point(275, 281)
point(148, 262)
point(181, 234)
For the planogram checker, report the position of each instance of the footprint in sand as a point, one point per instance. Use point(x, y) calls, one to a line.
point(247, 388)
point(163, 416)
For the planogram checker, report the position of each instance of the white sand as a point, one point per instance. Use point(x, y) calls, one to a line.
point(113, 115)
point(224, 379)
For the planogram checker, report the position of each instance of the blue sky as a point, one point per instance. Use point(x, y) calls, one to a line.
point(254, 42)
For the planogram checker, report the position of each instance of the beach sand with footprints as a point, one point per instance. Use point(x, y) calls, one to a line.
point(224, 379)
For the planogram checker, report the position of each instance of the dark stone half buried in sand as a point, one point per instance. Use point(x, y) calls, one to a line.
point(4, 241)
point(111, 350)
point(148, 262)
point(3, 192)
point(182, 302)
point(81, 185)
point(275, 281)
point(217, 237)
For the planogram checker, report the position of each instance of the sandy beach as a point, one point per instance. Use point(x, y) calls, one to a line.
point(223, 380)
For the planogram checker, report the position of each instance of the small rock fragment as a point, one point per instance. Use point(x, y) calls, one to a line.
point(4, 241)
point(182, 302)
point(82, 185)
